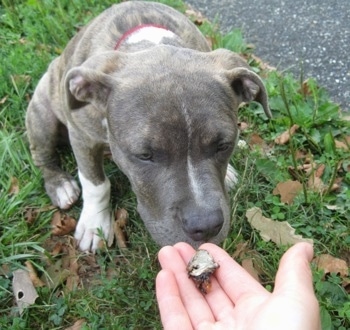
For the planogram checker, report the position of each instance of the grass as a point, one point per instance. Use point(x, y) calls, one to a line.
point(120, 292)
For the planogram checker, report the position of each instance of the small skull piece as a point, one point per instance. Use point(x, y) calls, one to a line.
point(200, 267)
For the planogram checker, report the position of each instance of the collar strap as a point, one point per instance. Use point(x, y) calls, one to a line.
point(128, 33)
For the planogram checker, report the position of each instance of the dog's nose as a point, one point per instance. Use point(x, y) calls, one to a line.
point(202, 225)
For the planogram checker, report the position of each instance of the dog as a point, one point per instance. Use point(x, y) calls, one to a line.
point(142, 80)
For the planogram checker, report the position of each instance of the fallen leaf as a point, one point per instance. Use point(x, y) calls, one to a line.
point(243, 126)
point(37, 282)
point(263, 65)
point(77, 325)
point(248, 265)
point(14, 187)
point(23, 289)
point(330, 264)
point(196, 16)
point(5, 270)
point(62, 224)
point(255, 139)
point(280, 232)
point(316, 184)
point(56, 274)
point(288, 190)
point(121, 216)
point(241, 249)
point(305, 88)
point(320, 170)
point(300, 154)
point(285, 136)
point(4, 99)
point(341, 145)
point(30, 215)
point(73, 278)
point(57, 249)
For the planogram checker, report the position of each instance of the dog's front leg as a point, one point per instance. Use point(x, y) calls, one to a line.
point(95, 221)
point(96, 217)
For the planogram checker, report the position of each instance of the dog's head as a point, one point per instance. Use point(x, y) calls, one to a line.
point(172, 127)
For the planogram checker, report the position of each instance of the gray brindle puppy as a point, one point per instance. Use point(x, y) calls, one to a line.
point(142, 79)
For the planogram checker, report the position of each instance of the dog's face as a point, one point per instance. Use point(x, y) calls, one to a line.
point(172, 128)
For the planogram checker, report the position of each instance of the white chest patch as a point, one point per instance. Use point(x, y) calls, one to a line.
point(153, 34)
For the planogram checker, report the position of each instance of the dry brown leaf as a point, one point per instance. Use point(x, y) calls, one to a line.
point(73, 278)
point(341, 145)
point(241, 249)
point(30, 215)
point(248, 265)
point(37, 282)
point(305, 88)
point(288, 190)
point(316, 184)
point(121, 216)
point(5, 270)
point(300, 154)
point(330, 264)
point(77, 325)
point(320, 170)
point(263, 65)
point(285, 136)
point(57, 249)
point(4, 99)
point(14, 187)
point(196, 16)
point(280, 232)
point(62, 224)
point(243, 126)
point(255, 139)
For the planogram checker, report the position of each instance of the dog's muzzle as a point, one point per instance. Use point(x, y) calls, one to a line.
point(201, 225)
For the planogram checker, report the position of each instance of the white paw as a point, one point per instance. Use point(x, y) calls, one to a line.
point(95, 221)
point(231, 178)
point(67, 194)
point(93, 226)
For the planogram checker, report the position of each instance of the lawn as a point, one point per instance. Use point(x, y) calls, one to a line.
point(301, 178)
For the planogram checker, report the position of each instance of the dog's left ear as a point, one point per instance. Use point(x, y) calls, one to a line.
point(246, 84)
point(249, 87)
point(84, 86)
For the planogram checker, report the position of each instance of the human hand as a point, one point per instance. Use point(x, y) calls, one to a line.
point(236, 300)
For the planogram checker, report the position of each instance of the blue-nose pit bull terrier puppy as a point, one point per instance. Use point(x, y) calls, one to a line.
point(141, 79)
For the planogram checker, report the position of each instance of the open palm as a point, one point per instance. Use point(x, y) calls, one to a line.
point(236, 300)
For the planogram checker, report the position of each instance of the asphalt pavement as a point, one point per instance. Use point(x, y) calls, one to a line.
point(308, 35)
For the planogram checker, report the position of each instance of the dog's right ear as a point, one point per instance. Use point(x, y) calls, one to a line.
point(84, 86)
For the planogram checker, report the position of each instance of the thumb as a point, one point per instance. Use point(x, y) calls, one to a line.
point(294, 273)
point(294, 281)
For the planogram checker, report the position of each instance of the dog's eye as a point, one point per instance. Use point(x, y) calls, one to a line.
point(223, 146)
point(146, 157)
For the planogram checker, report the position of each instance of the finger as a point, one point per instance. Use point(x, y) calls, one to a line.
point(172, 310)
point(294, 274)
point(234, 280)
point(219, 302)
point(294, 281)
point(193, 300)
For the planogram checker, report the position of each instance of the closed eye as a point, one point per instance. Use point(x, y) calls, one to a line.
point(223, 146)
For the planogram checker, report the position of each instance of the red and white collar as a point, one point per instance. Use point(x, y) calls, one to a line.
point(149, 32)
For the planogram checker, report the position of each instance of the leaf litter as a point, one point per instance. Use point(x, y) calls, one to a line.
point(65, 266)
point(279, 232)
